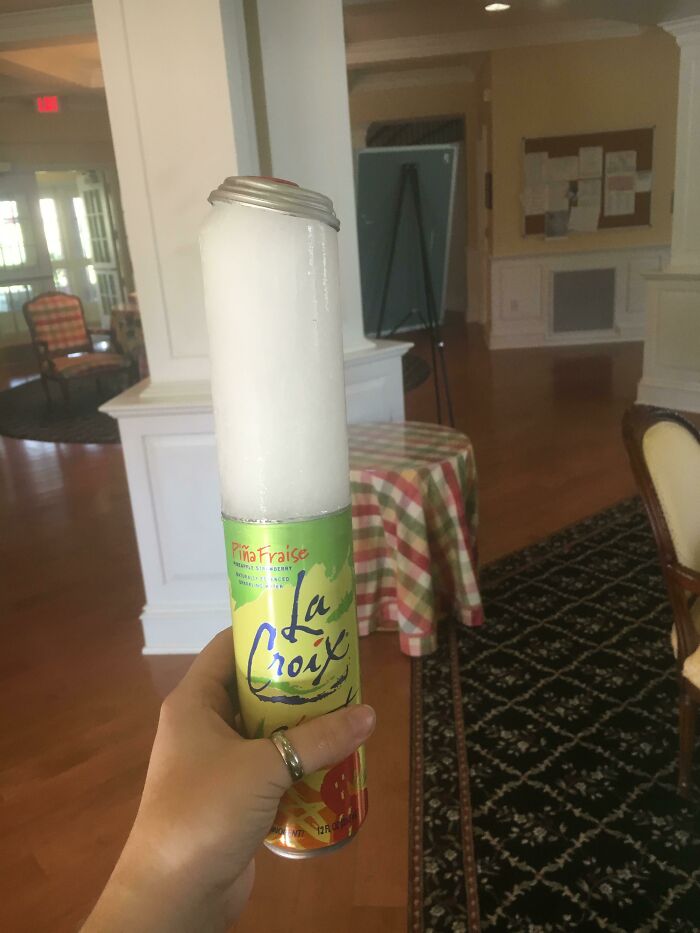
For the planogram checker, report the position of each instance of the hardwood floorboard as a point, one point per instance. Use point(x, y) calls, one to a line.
point(80, 703)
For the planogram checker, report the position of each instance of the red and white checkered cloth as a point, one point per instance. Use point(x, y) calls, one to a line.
point(415, 515)
point(58, 322)
point(83, 363)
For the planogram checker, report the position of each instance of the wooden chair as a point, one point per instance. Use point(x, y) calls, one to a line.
point(62, 342)
point(664, 451)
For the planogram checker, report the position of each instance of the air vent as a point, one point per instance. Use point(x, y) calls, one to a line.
point(583, 300)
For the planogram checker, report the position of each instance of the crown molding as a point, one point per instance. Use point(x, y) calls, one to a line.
point(442, 45)
point(686, 31)
point(59, 22)
point(411, 77)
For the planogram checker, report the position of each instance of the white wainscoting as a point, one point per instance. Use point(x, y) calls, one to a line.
point(170, 456)
point(521, 289)
point(671, 376)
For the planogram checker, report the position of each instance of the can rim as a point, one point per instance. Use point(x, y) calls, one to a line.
point(274, 195)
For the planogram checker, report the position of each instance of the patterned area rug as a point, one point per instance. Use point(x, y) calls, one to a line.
point(565, 700)
point(25, 414)
point(415, 370)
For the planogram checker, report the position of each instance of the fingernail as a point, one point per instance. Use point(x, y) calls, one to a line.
point(362, 720)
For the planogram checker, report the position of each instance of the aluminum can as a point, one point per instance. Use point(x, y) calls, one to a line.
point(286, 503)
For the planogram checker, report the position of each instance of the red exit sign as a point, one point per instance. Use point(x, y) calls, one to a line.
point(47, 104)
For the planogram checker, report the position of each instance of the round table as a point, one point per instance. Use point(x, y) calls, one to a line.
point(414, 515)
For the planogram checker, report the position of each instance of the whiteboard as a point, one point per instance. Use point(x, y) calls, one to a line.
point(378, 180)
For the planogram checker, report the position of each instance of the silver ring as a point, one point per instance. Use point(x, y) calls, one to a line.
point(289, 755)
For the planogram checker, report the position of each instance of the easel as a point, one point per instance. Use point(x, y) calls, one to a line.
point(409, 181)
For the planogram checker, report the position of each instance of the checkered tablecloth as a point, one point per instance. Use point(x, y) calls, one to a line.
point(414, 517)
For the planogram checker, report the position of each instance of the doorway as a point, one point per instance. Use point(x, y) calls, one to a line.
point(59, 230)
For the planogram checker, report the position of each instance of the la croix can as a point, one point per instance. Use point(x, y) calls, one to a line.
point(296, 647)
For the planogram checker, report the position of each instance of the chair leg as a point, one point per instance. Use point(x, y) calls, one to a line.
point(65, 392)
point(47, 392)
point(686, 724)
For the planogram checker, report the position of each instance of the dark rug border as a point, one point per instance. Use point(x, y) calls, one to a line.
point(492, 574)
point(465, 801)
point(415, 815)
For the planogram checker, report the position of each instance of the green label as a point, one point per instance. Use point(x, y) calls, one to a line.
point(294, 619)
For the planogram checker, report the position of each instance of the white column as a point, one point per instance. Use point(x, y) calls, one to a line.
point(179, 127)
point(304, 75)
point(671, 374)
point(685, 244)
point(178, 84)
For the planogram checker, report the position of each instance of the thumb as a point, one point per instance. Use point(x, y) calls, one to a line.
point(330, 739)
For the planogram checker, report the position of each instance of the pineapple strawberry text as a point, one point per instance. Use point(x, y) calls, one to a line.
point(326, 663)
point(266, 555)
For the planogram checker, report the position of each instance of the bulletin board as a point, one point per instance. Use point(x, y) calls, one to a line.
point(589, 182)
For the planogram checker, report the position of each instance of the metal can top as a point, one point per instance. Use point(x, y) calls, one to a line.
point(274, 194)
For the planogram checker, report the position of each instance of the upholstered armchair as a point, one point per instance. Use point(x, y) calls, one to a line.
point(62, 342)
point(664, 451)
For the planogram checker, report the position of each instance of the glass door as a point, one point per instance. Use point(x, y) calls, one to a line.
point(91, 186)
point(25, 265)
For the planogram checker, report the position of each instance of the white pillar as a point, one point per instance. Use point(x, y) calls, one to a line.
point(671, 374)
point(178, 84)
point(685, 243)
point(304, 75)
point(179, 126)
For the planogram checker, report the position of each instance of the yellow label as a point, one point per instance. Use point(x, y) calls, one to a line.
point(295, 641)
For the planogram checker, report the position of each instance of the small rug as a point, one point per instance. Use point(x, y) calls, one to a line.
point(566, 816)
point(415, 370)
point(25, 414)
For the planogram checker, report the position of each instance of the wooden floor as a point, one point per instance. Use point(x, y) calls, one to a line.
point(79, 703)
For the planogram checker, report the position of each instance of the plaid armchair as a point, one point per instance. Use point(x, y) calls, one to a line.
point(62, 342)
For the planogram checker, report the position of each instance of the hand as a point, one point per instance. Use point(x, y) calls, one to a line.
point(209, 801)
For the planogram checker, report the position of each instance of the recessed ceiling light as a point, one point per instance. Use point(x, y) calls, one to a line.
point(496, 7)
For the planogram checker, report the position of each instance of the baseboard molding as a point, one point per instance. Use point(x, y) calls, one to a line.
point(182, 629)
point(678, 396)
point(521, 341)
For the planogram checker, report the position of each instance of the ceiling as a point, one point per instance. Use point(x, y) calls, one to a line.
point(22, 6)
point(71, 64)
point(48, 47)
point(372, 20)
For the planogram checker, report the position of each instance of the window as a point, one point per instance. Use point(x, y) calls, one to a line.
point(83, 228)
point(12, 297)
point(60, 278)
point(108, 286)
point(12, 251)
point(96, 224)
point(52, 231)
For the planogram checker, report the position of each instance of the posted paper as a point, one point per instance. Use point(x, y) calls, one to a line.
point(558, 196)
point(618, 162)
point(534, 201)
point(584, 219)
point(643, 182)
point(619, 194)
point(590, 162)
point(564, 168)
point(556, 224)
point(590, 191)
point(535, 166)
